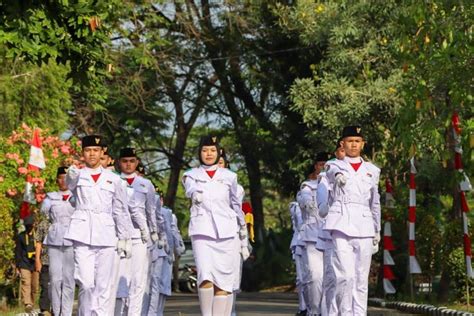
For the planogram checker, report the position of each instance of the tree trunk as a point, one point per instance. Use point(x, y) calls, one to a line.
point(176, 164)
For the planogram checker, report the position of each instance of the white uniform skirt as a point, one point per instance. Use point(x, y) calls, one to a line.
point(216, 260)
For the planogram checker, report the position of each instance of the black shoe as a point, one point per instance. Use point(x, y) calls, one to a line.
point(301, 313)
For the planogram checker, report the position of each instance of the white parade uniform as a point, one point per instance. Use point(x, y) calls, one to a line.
point(162, 267)
point(58, 207)
point(215, 218)
point(325, 244)
point(297, 247)
point(353, 220)
point(96, 223)
point(133, 273)
point(312, 257)
point(121, 267)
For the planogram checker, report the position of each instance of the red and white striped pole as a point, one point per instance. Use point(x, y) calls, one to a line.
point(388, 242)
point(414, 267)
point(464, 186)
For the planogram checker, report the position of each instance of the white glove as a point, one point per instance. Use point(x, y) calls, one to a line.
point(128, 248)
point(163, 242)
point(181, 248)
point(376, 242)
point(170, 258)
point(144, 235)
point(154, 237)
point(244, 252)
point(197, 197)
point(73, 172)
point(341, 180)
point(121, 245)
point(376, 238)
point(310, 207)
point(243, 234)
point(324, 210)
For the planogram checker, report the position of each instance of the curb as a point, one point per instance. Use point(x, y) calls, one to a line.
point(424, 309)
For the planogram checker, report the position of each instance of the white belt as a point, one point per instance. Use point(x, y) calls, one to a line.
point(354, 200)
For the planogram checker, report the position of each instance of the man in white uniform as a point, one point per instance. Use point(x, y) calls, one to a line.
point(354, 222)
point(141, 205)
point(312, 257)
point(97, 221)
point(297, 247)
point(58, 208)
point(325, 195)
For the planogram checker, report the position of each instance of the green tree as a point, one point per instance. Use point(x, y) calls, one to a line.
point(36, 95)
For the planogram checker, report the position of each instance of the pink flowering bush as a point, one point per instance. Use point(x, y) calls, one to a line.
point(14, 156)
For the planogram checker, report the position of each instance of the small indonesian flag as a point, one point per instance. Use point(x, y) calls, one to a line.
point(35, 163)
point(36, 153)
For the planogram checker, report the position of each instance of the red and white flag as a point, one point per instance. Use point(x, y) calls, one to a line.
point(35, 163)
point(36, 153)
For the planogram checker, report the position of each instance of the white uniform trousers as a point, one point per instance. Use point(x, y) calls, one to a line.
point(160, 285)
point(315, 267)
point(111, 292)
point(300, 285)
point(147, 295)
point(93, 273)
point(351, 262)
point(138, 277)
point(61, 275)
point(329, 306)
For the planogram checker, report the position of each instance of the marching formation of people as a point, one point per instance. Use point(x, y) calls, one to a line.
point(336, 224)
point(109, 233)
point(105, 231)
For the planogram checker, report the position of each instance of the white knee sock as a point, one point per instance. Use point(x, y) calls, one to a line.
point(230, 304)
point(206, 297)
point(219, 305)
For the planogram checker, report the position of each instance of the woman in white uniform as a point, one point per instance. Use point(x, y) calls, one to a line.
point(216, 228)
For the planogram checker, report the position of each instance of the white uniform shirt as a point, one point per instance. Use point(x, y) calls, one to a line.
point(220, 211)
point(297, 223)
point(101, 208)
point(355, 209)
point(311, 219)
point(59, 213)
point(142, 206)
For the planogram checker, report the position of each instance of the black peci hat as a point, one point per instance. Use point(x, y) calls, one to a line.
point(322, 156)
point(352, 131)
point(223, 155)
point(61, 170)
point(92, 141)
point(128, 152)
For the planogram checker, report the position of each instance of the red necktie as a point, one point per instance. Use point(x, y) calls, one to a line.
point(356, 165)
point(130, 180)
point(95, 177)
point(65, 197)
point(211, 173)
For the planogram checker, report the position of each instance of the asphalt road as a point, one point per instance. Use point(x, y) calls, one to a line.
point(250, 304)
